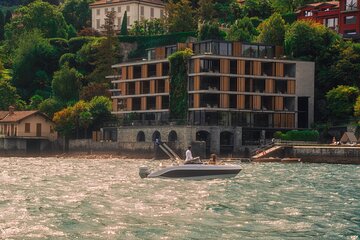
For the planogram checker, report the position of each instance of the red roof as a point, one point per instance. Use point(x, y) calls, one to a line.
point(17, 116)
point(104, 2)
point(3, 114)
point(331, 3)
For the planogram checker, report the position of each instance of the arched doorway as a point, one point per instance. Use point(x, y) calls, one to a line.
point(206, 137)
point(140, 137)
point(156, 135)
point(172, 136)
point(226, 142)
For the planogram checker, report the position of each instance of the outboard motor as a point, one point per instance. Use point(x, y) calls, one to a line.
point(144, 171)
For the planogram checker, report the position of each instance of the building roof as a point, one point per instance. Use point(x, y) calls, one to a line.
point(348, 137)
point(3, 114)
point(104, 2)
point(17, 116)
point(315, 5)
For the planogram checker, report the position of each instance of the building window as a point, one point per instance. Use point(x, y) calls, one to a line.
point(119, 9)
point(128, 20)
point(142, 10)
point(331, 22)
point(161, 13)
point(98, 23)
point(52, 129)
point(308, 13)
point(27, 127)
point(106, 10)
point(97, 11)
point(350, 20)
point(128, 8)
point(113, 9)
point(151, 12)
point(351, 5)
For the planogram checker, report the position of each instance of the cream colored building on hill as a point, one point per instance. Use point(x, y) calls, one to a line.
point(135, 10)
point(25, 131)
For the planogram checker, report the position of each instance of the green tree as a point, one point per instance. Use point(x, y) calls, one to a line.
point(255, 8)
point(308, 40)
point(8, 16)
point(8, 94)
point(341, 101)
point(77, 13)
point(100, 109)
point(50, 106)
point(180, 16)
point(124, 23)
point(206, 10)
point(242, 30)
point(148, 27)
point(37, 15)
point(286, 6)
point(34, 62)
point(94, 89)
point(35, 101)
point(2, 25)
point(211, 31)
point(272, 30)
point(66, 83)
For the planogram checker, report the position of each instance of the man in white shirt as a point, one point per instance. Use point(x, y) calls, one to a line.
point(189, 158)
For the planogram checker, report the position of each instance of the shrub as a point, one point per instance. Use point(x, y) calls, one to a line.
point(298, 135)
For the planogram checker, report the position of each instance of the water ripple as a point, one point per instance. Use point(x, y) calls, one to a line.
point(51, 198)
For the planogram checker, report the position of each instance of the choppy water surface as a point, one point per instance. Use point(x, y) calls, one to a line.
point(50, 198)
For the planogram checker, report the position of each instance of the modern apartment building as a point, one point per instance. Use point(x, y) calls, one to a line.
point(231, 85)
point(343, 16)
point(135, 10)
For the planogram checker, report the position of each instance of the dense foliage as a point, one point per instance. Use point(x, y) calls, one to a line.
point(296, 135)
point(178, 85)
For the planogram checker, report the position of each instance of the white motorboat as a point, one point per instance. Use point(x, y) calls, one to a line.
point(192, 171)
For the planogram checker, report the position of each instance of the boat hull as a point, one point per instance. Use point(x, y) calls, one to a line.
point(197, 171)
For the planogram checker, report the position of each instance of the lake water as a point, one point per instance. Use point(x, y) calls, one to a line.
point(51, 198)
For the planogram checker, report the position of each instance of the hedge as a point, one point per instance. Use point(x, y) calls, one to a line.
point(145, 42)
point(297, 135)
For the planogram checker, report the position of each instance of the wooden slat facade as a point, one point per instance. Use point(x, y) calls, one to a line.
point(129, 104)
point(143, 103)
point(237, 48)
point(152, 86)
point(257, 68)
point(290, 87)
point(279, 69)
point(196, 83)
point(123, 73)
point(158, 102)
point(279, 51)
point(160, 53)
point(137, 87)
point(196, 100)
point(130, 74)
point(240, 67)
point(279, 103)
point(197, 65)
point(144, 69)
point(159, 69)
point(224, 66)
point(240, 102)
point(269, 85)
point(256, 102)
point(241, 84)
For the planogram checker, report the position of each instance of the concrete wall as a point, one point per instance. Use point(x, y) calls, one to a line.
point(186, 135)
point(133, 11)
point(305, 85)
point(327, 154)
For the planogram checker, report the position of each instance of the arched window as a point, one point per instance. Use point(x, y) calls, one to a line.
point(140, 137)
point(172, 136)
point(156, 135)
